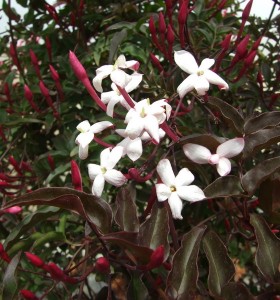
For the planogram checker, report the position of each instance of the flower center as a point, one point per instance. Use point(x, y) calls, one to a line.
point(200, 72)
point(173, 188)
point(143, 113)
point(103, 170)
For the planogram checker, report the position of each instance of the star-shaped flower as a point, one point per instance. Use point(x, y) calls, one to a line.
point(200, 76)
point(86, 135)
point(201, 155)
point(147, 117)
point(176, 188)
point(105, 171)
point(118, 76)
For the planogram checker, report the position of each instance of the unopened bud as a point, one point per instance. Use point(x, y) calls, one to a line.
point(13, 210)
point(246, 11)
point(241, 48)
point(51, 162)
point(76, 176)
point(170, 35)
point(28, 295)
point(3, 254)
point(33, 57)
point(183, 13)
point(156, 258)
point(35, 260)
point(54, 73)
point(77, 67)
point(250, 58)
point(161, 23)
point(102, 265)
point(152, 26)
point(257, 43)
point(226, 42)
point(56, 272)
point(156, 62)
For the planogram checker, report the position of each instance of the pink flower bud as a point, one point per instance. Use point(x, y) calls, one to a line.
point(76, 176)
point(77, 67)
point(260, 78)
point(183, 13)
point(241, 48)
point(46, 94)
point(156, 62)
point(55, 272)
point(152, 26)
point(156, 258)
point(49, 48)
point(33, 57)
point(35, 260)
point(28, 295)
point(257, 43)
point(3, 254)
point(29, 96)
point(102, 265)
point(54, 73)
point(13, 210)
point(15, 164)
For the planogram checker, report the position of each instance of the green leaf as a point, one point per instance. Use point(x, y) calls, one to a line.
point(58, 171)
point(268, 254)
point(253, 178)
point(28, 222)
point(115, 43)
point(126, 214)
point(260, 140)
point(95, 210)
point(154, 231)
point(48, 237)
point(230, 115)
point(9, 284)
point(224, 187)
point(183, 277)
point(137, 289)
point(236, 291)
point(262, 121)
point(221, 267)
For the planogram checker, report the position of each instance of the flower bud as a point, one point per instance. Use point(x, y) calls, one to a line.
point(246, 11)
point(183, 12)
point(33, 57)
point(226, 42)
point(161, 23)
point(250, 58)
point(55, 272)
point(257, 43)
point(76, 176)
point(77, 67)
point(156, 62)
point(15, 164)
point(28, 295)
point(3, 254)
point(102, 265)
point(13, 210)
point(241, 48)
point(35, 260)
point(51, 162)
point(54, 73)
point(156, 258)
point(152, 26)
point(170, 35)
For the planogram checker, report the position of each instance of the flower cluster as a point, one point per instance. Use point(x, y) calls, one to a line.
point(145, 122)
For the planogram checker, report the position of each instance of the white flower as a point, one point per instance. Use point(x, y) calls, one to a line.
point(133, 148)
point(113, 97)
point(202, 155)
point(147, 117)
point(176, 188)
point(105, 171)
point(200, 76)
point(118, 76)
point(87, 134)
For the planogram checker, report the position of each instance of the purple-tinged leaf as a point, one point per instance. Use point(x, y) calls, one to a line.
point(268, 254)
point(154, 231)
point(259, 140)
point(126, 214)
point(267, 119)
point(236, 291)
point(9, 284)
point(211, 142)
point(230, 114)
point(224, 187)
point(95, 210)
point(183, 277)
point(221, 267)
point(253, 178)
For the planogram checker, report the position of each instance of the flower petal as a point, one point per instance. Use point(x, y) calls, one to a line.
point(121, 132)
point(187, 85)
point(134, 149)
point(184, 177)
point(206, 64)
point(98, 185)
point(190, 193)
point(113, 158)
point(151, 126)
point(104, 157)
point(231, 148)
point(165, 172)
point(135, 127)
point(83, 152)
point(136, 78)
point(214, 78)
point(224, 166)
point(93, 171)
point(163, 192)
point(107, 96)
point(121, 61)
point(83, 126)
point(119, 77)
point(115, 177)
point(197, 153)
point(186, 61)
point(84, 138)
point(101, 73)
point(176, 206)
point(100, 126)
point(132, 64)
point(201, 85)
point(111, 106)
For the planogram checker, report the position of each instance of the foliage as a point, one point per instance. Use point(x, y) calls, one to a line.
point(60, 241)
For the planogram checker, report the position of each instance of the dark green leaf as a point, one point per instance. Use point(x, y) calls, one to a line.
point(154, 231)
point(126, 214)
point(9, 284)
point(231, 116)
point(224, 187)
point(221, 267)
point(236, 291)
point(183, 277)
point(253, 178)
point(268, 254)
point(48, 237)
point(95, 210)
point(262, 121)
point(137, 289)
point(115, 43)
point(260, 140)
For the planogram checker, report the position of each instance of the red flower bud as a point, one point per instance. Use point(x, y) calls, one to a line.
point(54, 73)
point(28, 295)
point(35, 260)
point(156, 62)
point(241, 48)
point(260, 78)
point(51, 162)
point(226, 42)
point(152, 26)
point(246, 11)
point(13, 210)
point(46, 94)
point(183, 12)
point(102, 265)
point(15, 164)
point(250, 58)
point(3, 254)
point(76, 176)
point(77, 67)
point(170, 35)
point(156, 258)
point(161, 23)
point(55, 272)
point(49, 48)
point(33, 57)
point(257, 43)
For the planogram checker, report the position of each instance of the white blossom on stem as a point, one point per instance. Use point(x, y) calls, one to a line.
point(105, 171)
point(201, 155)
point(147, 117)
point(86, 135)
point(113, 97)
point(175, 189)
point(200, 76)
point(117, 75)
